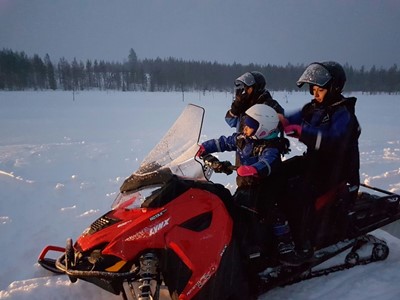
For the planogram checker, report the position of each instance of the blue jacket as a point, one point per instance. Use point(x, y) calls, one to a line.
point(331, 134)
point(246, 148)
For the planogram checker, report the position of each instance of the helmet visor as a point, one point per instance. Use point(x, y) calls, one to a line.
point(250, 122)
point(315, 74)
point(246, 79)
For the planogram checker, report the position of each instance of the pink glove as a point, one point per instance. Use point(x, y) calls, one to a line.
point(293, 130)
point(201, 152)
point(247, 171)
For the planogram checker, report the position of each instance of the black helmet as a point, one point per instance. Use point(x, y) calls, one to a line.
point(328, 74)
point(254, 79)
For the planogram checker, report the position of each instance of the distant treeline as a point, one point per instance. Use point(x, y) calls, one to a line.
point(18, 71)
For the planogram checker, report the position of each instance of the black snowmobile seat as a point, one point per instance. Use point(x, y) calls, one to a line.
point(338, 192)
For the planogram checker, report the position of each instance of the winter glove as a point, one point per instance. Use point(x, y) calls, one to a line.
point(218, 166)
point(201, 152)
point(247, 177)
point(224, 167)
point(239, 105)
point(239, 91)
point(293, 130)
point(247, 171)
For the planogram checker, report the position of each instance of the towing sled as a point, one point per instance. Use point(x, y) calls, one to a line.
point(170, 232)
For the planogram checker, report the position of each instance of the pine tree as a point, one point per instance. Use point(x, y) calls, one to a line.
point(51, 79)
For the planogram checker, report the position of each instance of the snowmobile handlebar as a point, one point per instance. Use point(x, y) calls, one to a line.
point(219, 166)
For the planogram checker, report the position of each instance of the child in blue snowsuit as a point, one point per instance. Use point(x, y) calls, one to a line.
point(259, 148)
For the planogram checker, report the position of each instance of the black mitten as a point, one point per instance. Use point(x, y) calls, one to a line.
point(239, 105)
point(225, 167)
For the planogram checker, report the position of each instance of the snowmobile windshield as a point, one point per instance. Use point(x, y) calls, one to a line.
point(173, 155)
point(315, 74)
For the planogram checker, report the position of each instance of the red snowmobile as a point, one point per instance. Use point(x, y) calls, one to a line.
point(170, 234)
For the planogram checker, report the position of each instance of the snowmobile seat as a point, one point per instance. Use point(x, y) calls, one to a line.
point(338, 192)
point(331, 223)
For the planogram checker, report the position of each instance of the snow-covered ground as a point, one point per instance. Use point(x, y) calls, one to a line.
point(63, 157)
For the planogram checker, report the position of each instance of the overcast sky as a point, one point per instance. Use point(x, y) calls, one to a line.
point(357, 32)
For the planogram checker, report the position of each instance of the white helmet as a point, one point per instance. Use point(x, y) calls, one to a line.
point(266, 117)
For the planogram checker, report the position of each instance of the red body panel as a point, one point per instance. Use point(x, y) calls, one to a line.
point(158, 228)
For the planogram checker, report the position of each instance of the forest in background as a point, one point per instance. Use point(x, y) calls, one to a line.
point(18, 71)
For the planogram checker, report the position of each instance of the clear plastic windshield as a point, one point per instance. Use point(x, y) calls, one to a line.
point(178, 147)
point(173, 155)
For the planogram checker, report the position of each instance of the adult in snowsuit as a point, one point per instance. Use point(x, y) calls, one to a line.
point(259, 149)
point(250, 89)
point(329, 128)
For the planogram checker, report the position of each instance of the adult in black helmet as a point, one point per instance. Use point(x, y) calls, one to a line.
point(249, 90)
point(328, 75)
point(329, 128)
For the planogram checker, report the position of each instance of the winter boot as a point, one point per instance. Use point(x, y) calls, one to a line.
point(306, 251)
point(286, 248)
point(290, 257)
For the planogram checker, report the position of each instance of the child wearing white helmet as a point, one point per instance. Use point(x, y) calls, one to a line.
point(259, 147)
